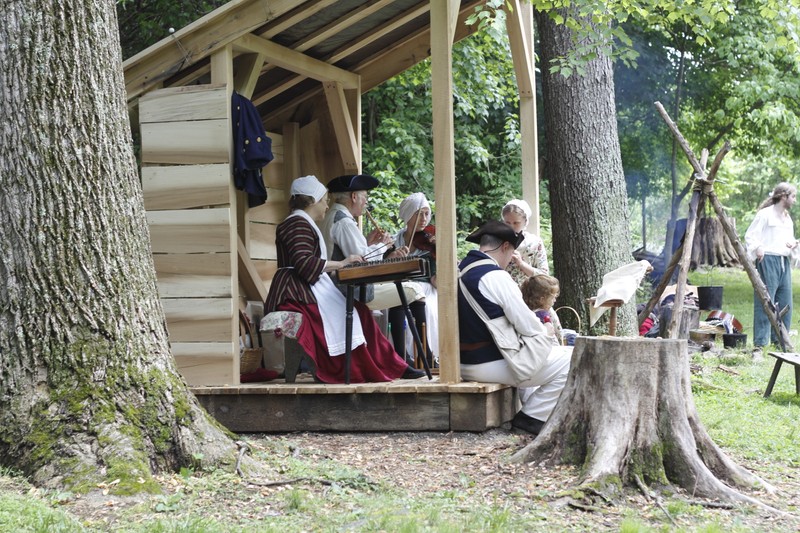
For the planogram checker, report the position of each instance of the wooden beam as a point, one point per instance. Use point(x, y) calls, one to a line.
point(401, 56)
point(410, 50)
point(198, 40)
point(295, 16)
point(340, 24)
point(441, 46)
point(248, 276)
point(247, 73)
point(298, 62)
point(343, 126)
point(519, 22)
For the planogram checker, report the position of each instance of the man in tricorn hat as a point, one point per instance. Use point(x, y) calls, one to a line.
point(495, 291)
point(343, 237)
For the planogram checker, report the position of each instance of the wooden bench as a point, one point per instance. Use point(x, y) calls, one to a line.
point(780, 358)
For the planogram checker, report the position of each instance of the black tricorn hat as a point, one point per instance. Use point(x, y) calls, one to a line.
point(350, 183)
point(498, 229)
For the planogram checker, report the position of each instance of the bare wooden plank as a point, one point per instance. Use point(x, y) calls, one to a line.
point(273, 175)
point(197, 41)
point(262, 241)
point(443, 25)
point(186, 186)
point(207, 363)
point(186, 142)
point(266, 270)
point(274, 210)
point(252, 284)
point(190, 230)
point(175, 104)
point(298, 62)
point(194, 275)
point(199, 319)
point(477, 412)
point(330, 412)
point(349, 147)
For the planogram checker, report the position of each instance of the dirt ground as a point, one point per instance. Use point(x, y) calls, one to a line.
point(475, 465)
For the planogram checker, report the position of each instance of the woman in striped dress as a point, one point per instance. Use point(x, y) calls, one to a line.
point(302, 285)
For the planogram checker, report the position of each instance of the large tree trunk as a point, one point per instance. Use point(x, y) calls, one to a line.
point(588, 200)
point(627, 412)
point(88, 387)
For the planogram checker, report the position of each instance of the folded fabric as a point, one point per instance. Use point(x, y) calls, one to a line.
point(619, 284)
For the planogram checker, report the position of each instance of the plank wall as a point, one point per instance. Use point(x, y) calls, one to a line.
point(191, 211)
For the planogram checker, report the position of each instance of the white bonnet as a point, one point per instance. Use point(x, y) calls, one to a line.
point(411, 205)
point(522, 205)
point(309, 186)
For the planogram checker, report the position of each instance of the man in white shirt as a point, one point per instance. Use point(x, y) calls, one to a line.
point(493, 288)
point(349, 195)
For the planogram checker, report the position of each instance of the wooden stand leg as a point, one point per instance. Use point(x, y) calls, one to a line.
point(413, 326)
point(773, 378)
point(348, 332)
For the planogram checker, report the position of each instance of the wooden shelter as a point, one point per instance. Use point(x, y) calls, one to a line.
point(305, 65)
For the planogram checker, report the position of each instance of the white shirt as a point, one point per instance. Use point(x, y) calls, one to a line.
point(499, 287)
point(347, 235)
point(769, 232)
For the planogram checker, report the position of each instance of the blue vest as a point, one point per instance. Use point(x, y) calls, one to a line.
point(471, 329)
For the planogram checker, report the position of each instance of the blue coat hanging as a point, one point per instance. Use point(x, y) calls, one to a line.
point(252, 149)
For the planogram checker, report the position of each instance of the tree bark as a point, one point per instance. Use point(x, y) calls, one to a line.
point(626, 412)
point(89, 391)
point(588, 198)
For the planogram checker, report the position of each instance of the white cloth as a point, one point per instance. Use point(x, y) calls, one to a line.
point(347, 235)
point(522, 205)
point(412, 204)
point(308, 186)
point(619, 284)
point(335, 306)
point(500, 288)
point(769, 232)
point(539, 395)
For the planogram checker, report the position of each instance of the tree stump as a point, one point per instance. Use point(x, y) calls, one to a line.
point(626, 415)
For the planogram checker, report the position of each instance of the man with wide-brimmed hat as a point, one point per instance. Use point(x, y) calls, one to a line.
point(343, 237)
point(483, 274)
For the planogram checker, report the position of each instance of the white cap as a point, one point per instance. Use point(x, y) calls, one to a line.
point(411, 205)
point(309, 186)
point(522, 205)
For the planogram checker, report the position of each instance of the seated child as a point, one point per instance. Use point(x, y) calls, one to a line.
point(539, 293)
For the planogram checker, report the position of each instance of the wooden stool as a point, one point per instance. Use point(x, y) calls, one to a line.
point(612, 319)
point(780, 358)
point(281, 348)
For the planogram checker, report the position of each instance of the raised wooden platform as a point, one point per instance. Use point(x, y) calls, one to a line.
point(401, 405)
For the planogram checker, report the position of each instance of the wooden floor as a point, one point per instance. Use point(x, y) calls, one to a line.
point(400, 405)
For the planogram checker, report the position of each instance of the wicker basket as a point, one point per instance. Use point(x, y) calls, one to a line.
point(249, 358)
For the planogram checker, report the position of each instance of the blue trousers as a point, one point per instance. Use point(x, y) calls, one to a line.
point(776, 273)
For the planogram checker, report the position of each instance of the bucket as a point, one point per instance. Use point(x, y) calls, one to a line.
point(710, 297)
point(734, 340)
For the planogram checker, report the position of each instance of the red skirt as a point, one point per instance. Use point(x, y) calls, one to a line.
point(372, 362)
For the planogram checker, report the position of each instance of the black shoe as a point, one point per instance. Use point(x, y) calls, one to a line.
point(412, 373)
point(527, 423)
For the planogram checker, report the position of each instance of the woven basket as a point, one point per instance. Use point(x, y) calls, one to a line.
point(250, 358)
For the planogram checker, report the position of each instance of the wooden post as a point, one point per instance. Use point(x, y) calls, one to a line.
point(444, 14)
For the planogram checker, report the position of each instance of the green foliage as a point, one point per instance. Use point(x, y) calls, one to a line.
point(145, 22)
point(398, 130)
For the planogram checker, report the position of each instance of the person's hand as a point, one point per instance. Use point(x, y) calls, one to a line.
point(759, 254)
point(516, 258)
point(350, 259)
point(398, 253)
point(791, 245)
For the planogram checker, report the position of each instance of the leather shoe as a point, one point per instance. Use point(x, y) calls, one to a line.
point(527, 423)
point(412, 373)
